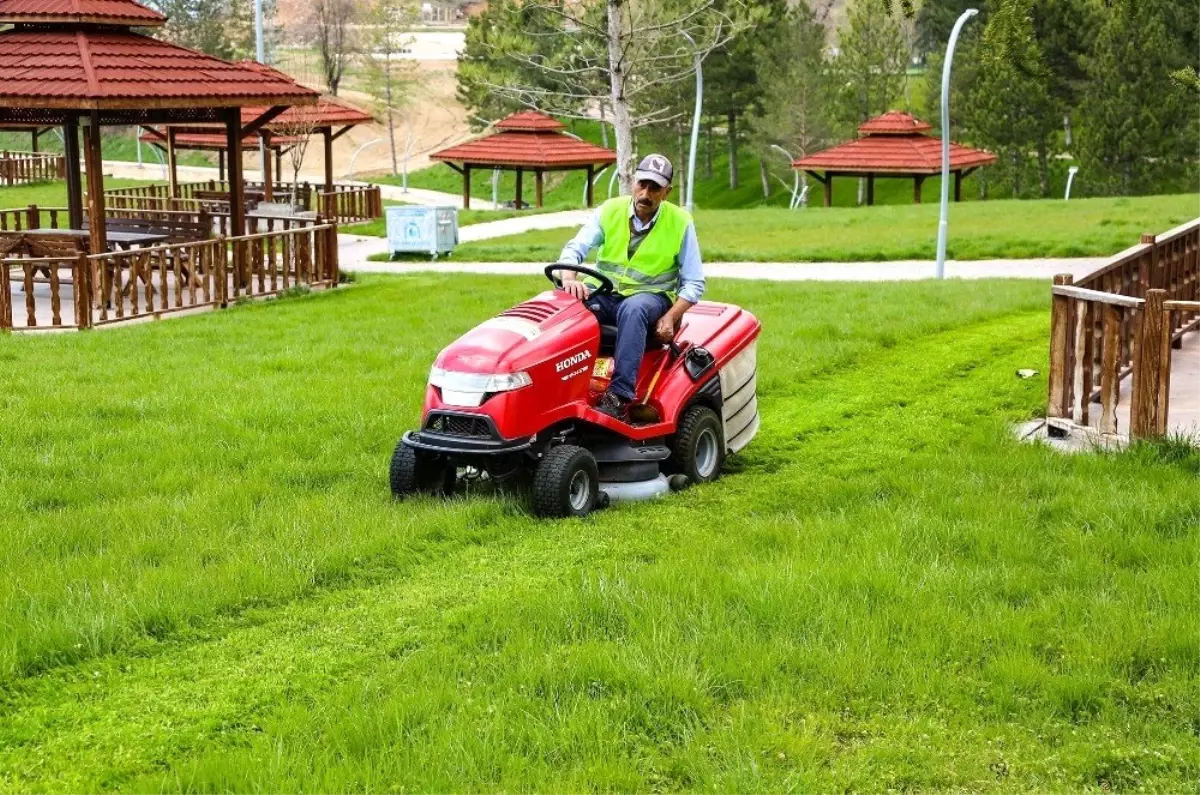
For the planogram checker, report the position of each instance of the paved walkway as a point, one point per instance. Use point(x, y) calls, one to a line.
point(354, 251)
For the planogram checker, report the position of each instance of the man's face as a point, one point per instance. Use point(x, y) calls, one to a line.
point(647, 195)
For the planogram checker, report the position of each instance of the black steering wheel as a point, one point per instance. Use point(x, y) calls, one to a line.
point(606, 286)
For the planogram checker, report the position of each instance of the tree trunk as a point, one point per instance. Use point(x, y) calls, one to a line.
point(603, 127)
point(766, 182)
point(731, 135)
point(1044, 168)
point(862, 190)
point(391, 121)
point(1016, 174)
point(618, 74)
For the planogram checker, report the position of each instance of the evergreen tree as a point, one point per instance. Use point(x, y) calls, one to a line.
point(870, 68)
point(732, 84)
point(1136, 128)
point(935, 20)
point(797, 86)
point(1009, 106)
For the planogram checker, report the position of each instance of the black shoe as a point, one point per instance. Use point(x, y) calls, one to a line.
point(613, 405)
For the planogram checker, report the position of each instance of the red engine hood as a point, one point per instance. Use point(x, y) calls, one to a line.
point(523, 337)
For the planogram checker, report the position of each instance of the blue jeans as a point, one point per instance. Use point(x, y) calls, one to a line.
point(635, 317)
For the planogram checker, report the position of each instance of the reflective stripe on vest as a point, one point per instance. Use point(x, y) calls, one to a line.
point(654, 267)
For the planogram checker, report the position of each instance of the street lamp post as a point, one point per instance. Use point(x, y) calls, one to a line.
point(1070, 178)
point(795, 176)
point(691, 174)
point(943, 223)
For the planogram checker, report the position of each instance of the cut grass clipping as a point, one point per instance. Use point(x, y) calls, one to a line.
point(978, 230)
point(206, 586)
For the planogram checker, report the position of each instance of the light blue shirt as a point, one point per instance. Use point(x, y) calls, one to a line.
point(691, 269)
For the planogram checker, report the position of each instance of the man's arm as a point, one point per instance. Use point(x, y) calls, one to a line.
point(691, 285)
point(576, 252)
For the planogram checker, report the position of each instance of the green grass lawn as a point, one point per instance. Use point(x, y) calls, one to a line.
point(978, 230)
point(116, 145)
point(205, 585)
point(52, 194)
point(378, 226)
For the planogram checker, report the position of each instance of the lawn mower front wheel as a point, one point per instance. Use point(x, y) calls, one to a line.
point(566, 483)
point(411, 473)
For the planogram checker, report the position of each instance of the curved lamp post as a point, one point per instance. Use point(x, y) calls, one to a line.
point(795, 176)
point(1070, 178)
point(942, 221)
point(691, 174)
point(354, 156)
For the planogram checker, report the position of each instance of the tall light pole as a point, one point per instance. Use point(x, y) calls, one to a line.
point(795, 176)
point(942, 221)
point(691, 174)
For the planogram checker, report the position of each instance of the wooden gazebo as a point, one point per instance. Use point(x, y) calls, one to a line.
point(893, 145)
point(327, 114)
point(74, 63)
point(527, 141)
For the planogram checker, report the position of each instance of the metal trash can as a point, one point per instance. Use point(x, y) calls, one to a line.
point(431, 230)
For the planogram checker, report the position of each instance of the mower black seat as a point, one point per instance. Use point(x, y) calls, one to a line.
point(608, 340)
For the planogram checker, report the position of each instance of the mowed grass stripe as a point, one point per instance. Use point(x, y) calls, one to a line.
point(978, 230)
point(156, 476)
point(903, 604)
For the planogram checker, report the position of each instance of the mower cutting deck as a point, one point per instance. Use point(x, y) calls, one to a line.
point(516, 394)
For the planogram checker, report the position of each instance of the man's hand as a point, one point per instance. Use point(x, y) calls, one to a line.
point(668, 324)
point(575, 287)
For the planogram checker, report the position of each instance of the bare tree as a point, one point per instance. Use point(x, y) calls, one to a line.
point(299, 125)
point(612, 56)
point(390, 78)
point(333, 21)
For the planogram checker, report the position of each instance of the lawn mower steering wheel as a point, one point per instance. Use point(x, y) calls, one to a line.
point(606, 285)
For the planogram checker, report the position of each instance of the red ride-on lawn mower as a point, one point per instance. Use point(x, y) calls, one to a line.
point(515, 396)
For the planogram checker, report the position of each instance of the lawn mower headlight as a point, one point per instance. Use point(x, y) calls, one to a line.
point(469, 389)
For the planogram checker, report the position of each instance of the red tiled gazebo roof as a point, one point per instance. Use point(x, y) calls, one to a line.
point(893, 144)
point(893, 154)
point(528, 140)
point(885, 148)
point(212, 142)
point(93, 12)
point(530, 120)
point(97, 68)
point(894, 122)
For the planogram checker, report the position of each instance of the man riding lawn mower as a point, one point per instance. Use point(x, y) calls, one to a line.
point(606, 384)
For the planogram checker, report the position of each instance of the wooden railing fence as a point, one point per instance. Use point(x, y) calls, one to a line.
point(1123, 319)
point(351, 203)
point(23, 168)
point(345, 203)
point(111, 287)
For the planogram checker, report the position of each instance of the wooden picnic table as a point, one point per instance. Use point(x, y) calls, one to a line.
point(124, 239)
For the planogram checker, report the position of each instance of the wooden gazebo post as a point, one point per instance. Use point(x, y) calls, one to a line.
point(237, 197)
point(268, 177)
point(327, 137)
point(520, 173)
point(94, 163)
point(74, 179)
point(172, 165)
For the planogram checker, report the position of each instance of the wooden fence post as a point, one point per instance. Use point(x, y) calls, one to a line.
point(1148, 272)
point(1148, 368)
point(6, 321)
point(1061, 370)
point(83, 292)
point(33, 219)
point(332, 248)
